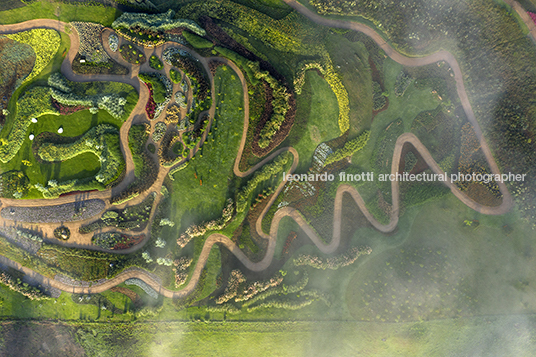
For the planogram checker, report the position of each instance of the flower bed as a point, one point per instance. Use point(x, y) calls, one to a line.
point(159, 131)
point(132, 54)
point(113, 42)
point(150, 107)
point(90, 41)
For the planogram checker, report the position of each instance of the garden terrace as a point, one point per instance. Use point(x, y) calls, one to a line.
point(68, 212)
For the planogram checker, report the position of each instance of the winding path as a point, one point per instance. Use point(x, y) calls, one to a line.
point(505, 206)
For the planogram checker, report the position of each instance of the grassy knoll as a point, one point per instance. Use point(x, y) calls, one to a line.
point(65, 12)
point(316, 118)
point(208, 173)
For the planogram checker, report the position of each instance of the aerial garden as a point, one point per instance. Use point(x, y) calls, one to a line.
point(144, 161)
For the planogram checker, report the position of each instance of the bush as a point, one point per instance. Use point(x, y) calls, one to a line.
point(160, 90)
point(45, 43)
point(350, 148)
point(155, 63)
point(175, 76)
point(197, 41)
point(14, 184)
point(113, 42)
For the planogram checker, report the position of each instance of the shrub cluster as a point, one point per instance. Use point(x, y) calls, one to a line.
point(267, 171)
point(61, 91)
point(350, 148)
point(145, 168)
point(172, 114)
point(62, 233)
point(101, 140)
point(44, 42)
point(332, 263)
point(156, 22)
point(175, 76)
point(181, 266)
point(378, 98)
point(115, 240)
point(14, 184)
point(192, 68)
point(31, 292)
point(160, 89)
point(216, 224)
point(131, 218)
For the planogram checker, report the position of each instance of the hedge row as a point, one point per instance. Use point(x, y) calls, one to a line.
point(156, 22)
point(350, 148)
point(264, 174)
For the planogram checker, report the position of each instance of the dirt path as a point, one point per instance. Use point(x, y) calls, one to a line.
point(505, 206)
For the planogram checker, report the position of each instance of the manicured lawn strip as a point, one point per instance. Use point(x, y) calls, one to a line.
point(67, 13)
point(215, 167)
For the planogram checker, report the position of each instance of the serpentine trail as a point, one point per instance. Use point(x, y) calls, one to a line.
point(505, 206)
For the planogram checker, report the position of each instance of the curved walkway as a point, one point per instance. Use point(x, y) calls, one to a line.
point(505, 206)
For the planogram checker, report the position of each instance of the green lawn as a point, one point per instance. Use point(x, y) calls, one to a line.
point(214, 168)
point(65, 12)
point(316, 118)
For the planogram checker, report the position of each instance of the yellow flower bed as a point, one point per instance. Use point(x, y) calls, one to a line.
point(45, 43)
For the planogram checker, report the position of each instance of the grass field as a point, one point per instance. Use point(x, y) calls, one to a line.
point(316, 118)
point(214, 169)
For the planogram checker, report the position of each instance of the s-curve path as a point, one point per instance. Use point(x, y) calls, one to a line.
point(332, 246)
